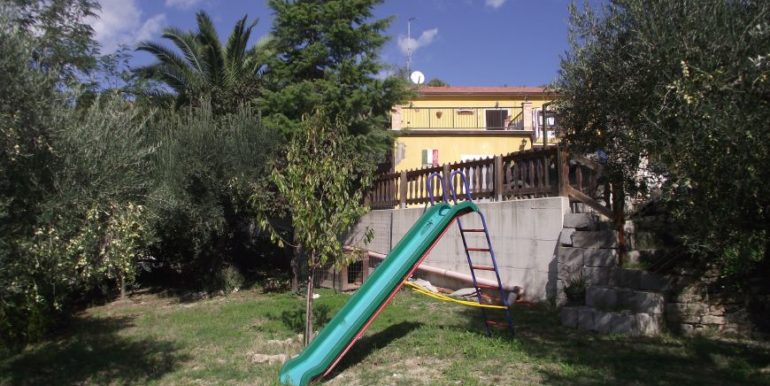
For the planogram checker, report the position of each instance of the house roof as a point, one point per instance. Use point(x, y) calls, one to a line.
point(462, 90)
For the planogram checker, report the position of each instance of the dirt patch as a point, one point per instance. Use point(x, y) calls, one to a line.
point(379, 370)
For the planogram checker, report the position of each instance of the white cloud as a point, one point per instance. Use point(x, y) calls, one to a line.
point(184, 4)
point(406, 44)
point(120, 22)
point(490, 3)
point(151, 27)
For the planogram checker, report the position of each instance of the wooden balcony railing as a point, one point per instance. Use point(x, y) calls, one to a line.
point(543, 172)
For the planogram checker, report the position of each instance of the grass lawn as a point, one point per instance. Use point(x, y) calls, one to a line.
point(159, 340)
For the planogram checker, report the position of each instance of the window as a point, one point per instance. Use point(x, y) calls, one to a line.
point(496, 119)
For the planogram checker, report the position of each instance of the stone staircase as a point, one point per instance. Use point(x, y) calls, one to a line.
point(617, 300)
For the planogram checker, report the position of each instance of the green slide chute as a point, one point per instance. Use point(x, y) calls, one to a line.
point(349, 323)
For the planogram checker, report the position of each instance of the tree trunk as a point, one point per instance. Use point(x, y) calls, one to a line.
point(295, 263)
point(122, 283)
point(308, 336)
point(619, 202)
point(295, 270)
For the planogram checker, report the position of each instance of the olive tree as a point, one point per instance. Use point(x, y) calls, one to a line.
point(680, 90)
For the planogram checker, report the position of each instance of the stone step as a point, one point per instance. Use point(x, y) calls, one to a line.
point(580, 221)
point(639, 279)
point(595, 239)
point(615, 299)
point(611, 322)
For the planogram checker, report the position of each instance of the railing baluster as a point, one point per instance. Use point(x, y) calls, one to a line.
point(531, 173)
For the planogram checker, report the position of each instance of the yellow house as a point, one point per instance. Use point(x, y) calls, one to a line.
point(449, 124)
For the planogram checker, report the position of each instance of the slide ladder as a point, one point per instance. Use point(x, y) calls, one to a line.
point(470, 252)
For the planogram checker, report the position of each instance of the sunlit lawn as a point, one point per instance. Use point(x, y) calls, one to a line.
point(159, 340)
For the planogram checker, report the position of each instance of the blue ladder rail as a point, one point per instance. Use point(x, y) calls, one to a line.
point(484, 229)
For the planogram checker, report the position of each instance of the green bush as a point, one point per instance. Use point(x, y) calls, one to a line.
point(680, 90)
point(206, 168)
point(72, 183)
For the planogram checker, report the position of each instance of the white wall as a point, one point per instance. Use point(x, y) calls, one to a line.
point(524, 237)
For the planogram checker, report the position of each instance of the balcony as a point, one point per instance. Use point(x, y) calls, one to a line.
point(498, 118)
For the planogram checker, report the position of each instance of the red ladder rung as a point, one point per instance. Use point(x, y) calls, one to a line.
point(483, 267)
point(487, 286)
point(474, 230)
point(478, 249)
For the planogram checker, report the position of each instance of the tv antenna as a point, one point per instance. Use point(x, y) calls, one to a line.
point(409, 44)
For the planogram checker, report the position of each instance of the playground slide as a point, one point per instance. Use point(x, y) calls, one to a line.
point(349, 324)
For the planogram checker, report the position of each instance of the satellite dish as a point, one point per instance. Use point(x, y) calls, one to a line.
point(417, 77)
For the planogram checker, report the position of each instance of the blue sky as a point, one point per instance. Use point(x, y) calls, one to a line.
point(463, 42)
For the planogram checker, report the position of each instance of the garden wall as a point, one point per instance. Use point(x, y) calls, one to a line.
point(524, 235)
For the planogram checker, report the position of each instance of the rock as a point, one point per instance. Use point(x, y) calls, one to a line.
point(651, 282)
point(629, 278)
point(595, 239)
point(586, 318)
point(464, 293)
point(622, 324)
point(569, 316)
point(600, 257)
point(603, 321)
point(269, 359)
point(425, 284)
point(278, 342)
point(597, 275)
point(647, 324)
point(686, 329)
point(641, 301)
point(580, 221)
point(601, 297)
point(565, 237)
point(712, 319)
point(570, 262)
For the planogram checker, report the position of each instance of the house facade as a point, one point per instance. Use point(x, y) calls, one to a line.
point(451, 124)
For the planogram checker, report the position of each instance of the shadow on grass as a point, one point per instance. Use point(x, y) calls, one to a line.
point(585, 358)
point(294, 319)
point(369, 344)
point(92, 352)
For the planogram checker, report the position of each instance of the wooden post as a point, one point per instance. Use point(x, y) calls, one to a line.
point(402, 190)
point(446, 173)
point(562, 163)
point(497, 173)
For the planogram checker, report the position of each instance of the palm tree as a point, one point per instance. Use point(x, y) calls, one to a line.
point(227, 76)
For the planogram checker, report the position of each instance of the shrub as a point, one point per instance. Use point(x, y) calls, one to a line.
point(206, 168)
point(681, 87)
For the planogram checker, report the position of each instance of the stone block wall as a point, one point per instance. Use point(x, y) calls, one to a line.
point(587, 251)
point(697, 305)
point(617, 300)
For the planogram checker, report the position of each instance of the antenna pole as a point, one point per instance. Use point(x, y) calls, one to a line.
point(409, 46)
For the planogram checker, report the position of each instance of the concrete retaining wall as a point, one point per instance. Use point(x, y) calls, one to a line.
point(524, 235)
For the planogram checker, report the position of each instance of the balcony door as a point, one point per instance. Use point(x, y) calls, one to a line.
point(496, 119)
